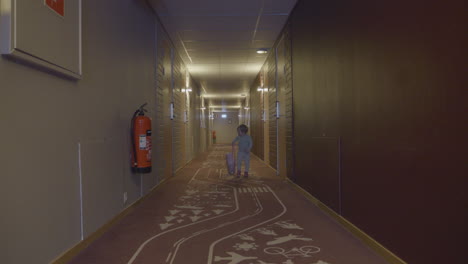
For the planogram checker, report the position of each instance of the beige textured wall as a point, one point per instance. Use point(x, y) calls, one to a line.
point(225, 131)
point(46, 119)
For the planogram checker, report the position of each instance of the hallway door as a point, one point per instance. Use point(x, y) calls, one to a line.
point(256, 117)
point(285, 92)
point(272, 124)
point(162, 135)
point(178, 124)
point(188, 128)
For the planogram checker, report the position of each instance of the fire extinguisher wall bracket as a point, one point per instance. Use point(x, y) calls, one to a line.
point(141, 141)
point(141, 170)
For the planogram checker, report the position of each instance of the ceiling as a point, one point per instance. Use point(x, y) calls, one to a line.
point(218, 40)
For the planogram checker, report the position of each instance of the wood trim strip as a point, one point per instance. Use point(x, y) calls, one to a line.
point(369, 241)
point(68, 255)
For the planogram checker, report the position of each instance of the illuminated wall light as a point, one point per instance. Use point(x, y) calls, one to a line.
point(224, 95)
point(225, 106)
point(203, 108)
point(246, 108)
point(262, 51)
point(259, 89)
point(187, 79)
point(186, 90)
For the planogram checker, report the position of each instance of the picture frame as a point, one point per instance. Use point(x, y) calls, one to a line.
point(42, 34)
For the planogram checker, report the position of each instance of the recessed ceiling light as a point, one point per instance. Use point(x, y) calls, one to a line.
point(262, 51)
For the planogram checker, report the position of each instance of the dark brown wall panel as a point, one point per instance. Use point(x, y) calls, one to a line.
point(270, 66)
point(322, 161)
point(285, 93)
point(388, 80)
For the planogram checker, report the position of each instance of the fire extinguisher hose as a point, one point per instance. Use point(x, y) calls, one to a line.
point(132, 135)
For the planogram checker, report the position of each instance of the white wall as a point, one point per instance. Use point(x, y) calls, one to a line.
point(225, 131)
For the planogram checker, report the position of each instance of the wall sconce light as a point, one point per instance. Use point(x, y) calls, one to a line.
point(246, 108)
point(186, 90)
point(172, 110)
point(262, 51)
point(203, 108)
point(260, 89)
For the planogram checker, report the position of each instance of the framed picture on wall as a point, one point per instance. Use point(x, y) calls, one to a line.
point(44, 33)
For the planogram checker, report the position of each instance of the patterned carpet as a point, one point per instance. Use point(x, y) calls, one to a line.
point(204, 215)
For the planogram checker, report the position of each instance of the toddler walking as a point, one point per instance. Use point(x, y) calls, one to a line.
point(245, 145)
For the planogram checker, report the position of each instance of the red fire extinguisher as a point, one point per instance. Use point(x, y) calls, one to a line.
point(141, 141)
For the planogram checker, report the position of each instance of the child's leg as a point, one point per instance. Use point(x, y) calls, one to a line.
point(247, 163)
point(239, 164)
point(246, 158)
